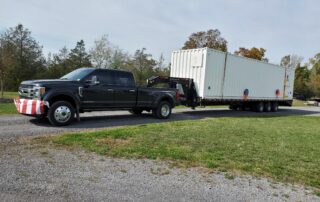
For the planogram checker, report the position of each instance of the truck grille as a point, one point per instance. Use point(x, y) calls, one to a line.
point(26, 91)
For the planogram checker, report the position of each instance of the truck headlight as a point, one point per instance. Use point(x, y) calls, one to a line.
point(38, 92)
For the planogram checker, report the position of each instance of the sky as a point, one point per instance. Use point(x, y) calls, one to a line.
point(280, 26)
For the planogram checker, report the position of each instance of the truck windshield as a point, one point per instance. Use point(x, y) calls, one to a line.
point(77, 74)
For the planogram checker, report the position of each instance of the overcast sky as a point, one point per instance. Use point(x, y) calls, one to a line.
point(280, 26)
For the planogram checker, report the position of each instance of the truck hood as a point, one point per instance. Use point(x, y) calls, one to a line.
point(48, 82)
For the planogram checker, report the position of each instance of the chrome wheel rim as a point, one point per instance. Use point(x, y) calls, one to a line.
point(62, 114)
point(165, 110)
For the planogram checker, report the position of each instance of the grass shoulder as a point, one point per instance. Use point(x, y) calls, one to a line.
point(284, 148)
point(7, 108)
point(10, 95)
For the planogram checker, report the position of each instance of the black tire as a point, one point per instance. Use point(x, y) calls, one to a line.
point(136, 111)
point(259, 107)
point(235, 107)
point(274, 106)
point(267, 107)
point(60, 110)
point(163, 111)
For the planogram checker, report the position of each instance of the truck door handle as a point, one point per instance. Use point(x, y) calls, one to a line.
point(132, 90)
point(110, 90)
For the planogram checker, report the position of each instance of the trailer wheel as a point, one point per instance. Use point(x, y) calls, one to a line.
point(61, 113)
point(267, 106)
point(259, 107)
point(136, 111)
point(274, 106)
point(163, 111)
point(235, 107)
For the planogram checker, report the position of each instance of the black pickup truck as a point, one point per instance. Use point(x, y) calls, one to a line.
point(90, 89)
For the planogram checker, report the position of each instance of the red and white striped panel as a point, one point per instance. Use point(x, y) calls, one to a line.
point(32, 107)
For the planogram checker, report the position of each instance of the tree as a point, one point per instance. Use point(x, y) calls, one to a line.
point(314, 83)
point(142, 65)
point(4, 50)
point(101, 53)
point(291, 61)
point(78, 57)
point(302, 82)
point(23, 56)
point(254, 53)
point(59, 65)
point(119, 59)
point(161, 69)
point(210, 39)
point(315, 64)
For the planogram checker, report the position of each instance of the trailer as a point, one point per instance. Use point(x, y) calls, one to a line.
point(219, 78)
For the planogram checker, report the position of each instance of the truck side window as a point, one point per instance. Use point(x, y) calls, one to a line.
point(123, 79)
point(105, 77)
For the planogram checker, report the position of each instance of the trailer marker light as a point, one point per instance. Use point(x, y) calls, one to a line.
point(246, 94)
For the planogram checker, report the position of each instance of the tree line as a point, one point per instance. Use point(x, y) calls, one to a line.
point(21, 58)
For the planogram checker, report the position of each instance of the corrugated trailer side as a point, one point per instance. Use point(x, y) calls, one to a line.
point(223, 78)
point(189, 64)
point(262, 80)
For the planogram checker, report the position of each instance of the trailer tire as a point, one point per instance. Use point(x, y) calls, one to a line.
point(136, 111)
point(163, 110)
point(259, 107)
point(235, 107)
point(274, 106)
point(267, 107)
point(61, 113)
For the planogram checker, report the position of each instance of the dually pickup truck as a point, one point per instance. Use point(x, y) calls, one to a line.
point(90, 89)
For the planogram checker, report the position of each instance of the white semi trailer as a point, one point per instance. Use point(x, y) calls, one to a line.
point(210, 77)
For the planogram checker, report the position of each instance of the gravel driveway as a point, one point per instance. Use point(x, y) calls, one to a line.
point(34, 172)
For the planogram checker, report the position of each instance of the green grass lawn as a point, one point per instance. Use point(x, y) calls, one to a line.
point(298, 103)
point(7, 108)
point(286, 148)
point(10, 95)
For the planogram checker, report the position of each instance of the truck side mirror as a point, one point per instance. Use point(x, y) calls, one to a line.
point(94, 80)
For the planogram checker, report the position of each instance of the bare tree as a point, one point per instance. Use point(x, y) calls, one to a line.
point(291, 61)
point(101, 53)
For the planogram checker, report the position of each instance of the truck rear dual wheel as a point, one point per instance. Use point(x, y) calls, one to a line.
point(163, 111)
point(61, 113)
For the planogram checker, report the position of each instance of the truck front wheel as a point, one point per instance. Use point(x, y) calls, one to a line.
point(163, 111)
point(61, 113)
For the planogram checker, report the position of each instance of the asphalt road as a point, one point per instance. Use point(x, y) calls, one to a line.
point(17, 125)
